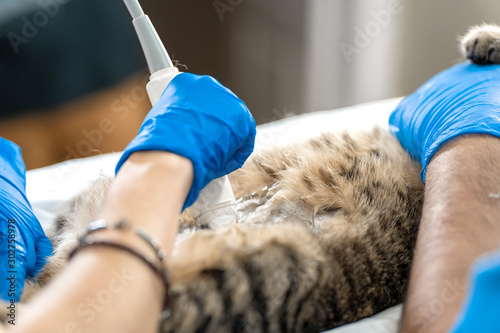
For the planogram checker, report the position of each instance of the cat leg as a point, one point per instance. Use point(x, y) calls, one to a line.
point(481, 44)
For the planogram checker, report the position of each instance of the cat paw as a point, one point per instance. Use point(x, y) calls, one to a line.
point(481, 44)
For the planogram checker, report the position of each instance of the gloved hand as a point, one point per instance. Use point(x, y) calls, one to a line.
point(201, 120)
point(463, 99)
point(23, 244)
point(480, 309)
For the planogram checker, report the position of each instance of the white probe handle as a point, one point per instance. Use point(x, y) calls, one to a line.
point(216, 204)
point(159, 81)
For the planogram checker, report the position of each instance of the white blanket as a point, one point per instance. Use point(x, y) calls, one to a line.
point(48, 188)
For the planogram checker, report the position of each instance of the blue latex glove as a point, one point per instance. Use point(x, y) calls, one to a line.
point(463, 99)
point(201, 120)
point(32, 247)
point(481, 306)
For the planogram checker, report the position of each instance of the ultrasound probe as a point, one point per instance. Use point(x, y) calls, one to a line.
point(215, 205)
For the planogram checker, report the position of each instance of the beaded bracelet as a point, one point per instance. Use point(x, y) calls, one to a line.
point(160, 270)
point(126, 225)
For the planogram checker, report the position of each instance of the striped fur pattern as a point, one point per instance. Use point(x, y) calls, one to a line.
point(325, 237)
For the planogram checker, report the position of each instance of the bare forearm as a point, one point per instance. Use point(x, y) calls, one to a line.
point(459, 223)
point(105, 290)
point(151, 194)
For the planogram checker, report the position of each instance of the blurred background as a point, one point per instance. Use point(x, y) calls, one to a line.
point(281, 57)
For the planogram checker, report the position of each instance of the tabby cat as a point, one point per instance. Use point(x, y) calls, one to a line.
point(325, 235)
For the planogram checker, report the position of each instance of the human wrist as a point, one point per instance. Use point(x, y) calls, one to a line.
point(145, 170)
point(468, 162)
point(162, 161)
point(149, 191)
